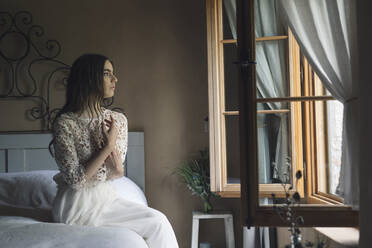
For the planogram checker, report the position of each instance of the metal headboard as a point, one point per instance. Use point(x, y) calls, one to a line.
point(18, 33)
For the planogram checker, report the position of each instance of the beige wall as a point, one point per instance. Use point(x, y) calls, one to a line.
point(159, 52)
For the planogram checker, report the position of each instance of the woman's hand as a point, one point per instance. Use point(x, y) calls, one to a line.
point(115, 164)
point(110, 132)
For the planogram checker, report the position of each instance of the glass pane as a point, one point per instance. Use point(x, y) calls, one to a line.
point(231, 78)
point(320, 144)
point(274, 144)
point(271, 68)
point(229, 19)
point(334, 121)
point(232, 149)
point(266, 201)
point(267, 22)
point(328, 93)
point(266, 17)
point(328, 124)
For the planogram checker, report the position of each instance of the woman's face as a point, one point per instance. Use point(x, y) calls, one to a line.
point(109, 80)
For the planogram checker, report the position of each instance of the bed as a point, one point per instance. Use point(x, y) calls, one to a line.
point(27, 191)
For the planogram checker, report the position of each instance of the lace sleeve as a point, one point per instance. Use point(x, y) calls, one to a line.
point(66, 157)
point(122, 141)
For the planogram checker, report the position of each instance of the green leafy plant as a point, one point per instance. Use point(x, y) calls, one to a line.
point(285, 209)
point(195, 174)
point(288, 215)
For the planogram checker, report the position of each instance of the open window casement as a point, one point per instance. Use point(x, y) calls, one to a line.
point(270, 116)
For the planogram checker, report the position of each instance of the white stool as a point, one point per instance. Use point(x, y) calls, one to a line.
point(229, 226)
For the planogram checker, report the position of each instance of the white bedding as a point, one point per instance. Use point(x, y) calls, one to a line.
point(18, 232)
point(30, 192)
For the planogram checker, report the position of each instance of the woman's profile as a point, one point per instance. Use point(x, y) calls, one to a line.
point(90, 145)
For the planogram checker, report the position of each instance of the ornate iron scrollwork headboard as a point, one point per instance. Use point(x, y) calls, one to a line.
point(18, 28)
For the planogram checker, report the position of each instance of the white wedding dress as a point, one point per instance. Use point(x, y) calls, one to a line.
point(94, 202)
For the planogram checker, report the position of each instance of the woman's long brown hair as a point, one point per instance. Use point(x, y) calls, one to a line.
point(84, 88)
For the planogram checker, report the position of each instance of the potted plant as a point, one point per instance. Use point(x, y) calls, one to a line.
point(195, 174)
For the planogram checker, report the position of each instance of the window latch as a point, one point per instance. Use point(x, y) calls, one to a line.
point(245, 63)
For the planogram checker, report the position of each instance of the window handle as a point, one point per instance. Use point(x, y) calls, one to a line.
point(245, 63)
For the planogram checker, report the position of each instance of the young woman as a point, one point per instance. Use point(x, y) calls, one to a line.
point(90, 145)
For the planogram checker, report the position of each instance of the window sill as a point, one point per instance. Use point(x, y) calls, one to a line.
point(346, 236)
point(229, 194)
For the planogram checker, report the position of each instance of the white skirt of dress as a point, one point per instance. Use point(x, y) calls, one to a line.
point(101, 205)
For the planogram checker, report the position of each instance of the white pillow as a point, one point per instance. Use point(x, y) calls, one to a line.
point(37, 189)
point(129, 190)
point(31, 189)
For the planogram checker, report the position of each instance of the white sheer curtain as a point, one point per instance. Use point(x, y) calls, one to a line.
point(326, 31)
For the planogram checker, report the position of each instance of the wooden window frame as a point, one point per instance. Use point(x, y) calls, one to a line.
point(252, 213)
point(249, 190)
point(216, 96)
point(218, 114)
point(315, 160)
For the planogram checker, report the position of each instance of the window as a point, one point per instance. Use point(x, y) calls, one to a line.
point(287, 119)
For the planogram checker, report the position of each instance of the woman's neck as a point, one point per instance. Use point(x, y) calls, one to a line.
point(86, 112)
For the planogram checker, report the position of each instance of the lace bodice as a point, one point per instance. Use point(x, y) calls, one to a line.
point(77, 139)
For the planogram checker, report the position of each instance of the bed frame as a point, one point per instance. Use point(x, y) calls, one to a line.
point(29, 151)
